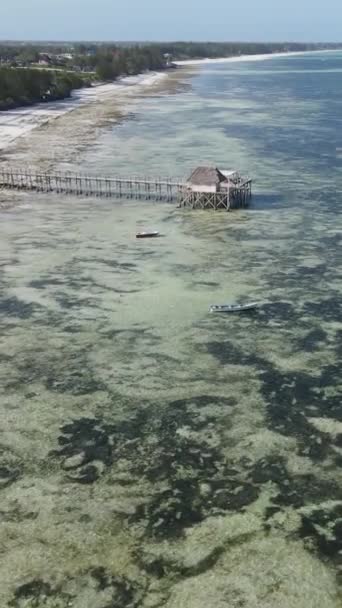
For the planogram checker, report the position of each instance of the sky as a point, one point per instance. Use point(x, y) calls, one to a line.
point(235, 20)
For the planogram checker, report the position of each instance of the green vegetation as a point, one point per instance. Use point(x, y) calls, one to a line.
point(113, 62)
point(64, 67)
point(201, 50)
point(22, 81)
point(20, 86)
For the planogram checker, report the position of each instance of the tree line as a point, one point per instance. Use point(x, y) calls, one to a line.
point(106, 62)
point(110, 62)
point(211, 50)
point(19, 87)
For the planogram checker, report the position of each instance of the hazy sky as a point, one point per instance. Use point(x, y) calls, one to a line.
point(259, 20)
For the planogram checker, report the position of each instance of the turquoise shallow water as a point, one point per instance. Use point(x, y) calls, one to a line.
point(152, 454)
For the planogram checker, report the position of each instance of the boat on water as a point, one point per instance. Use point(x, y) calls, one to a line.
point(233, 307)
point(147, 235)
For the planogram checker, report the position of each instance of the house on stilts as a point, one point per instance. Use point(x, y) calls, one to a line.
point(212, 188)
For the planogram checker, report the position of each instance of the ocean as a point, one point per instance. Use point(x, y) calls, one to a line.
point(153, 454)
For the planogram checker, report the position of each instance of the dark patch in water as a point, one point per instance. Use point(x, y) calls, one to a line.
point(7, 476)
point(12, 307)
point(228, 354)
point(76, 381)
point(324, 526)
point(161, 444)
point(312, 340)
point(329, 309)
point(60, 371)
point(33, 594)
point(338, 342)
point(6, 327)
point(119, 591)
point(72, 329)
point(69, 302)
point(145, 334)
point(163, 359)
point(84, 442)
point(299, 490)
point(17, 514)
point(113, 333)
point(277, 311)
point(132, 335)
point(163, 450)
point(269, 469)
point(332, 242)
point(43, 283)
point(202, 401)
point(86, 475)
point(233, 495)
point(172, 510)
point(125, 594)
point(120, 266)
point(85, 519)
point(154, 566)
point(309, 272)
point(11, 467)
point(31, 395)
point(290, 399)
point(187, 464)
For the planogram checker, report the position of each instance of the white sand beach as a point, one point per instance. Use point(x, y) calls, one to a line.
point(20, 121)
point(248, 57)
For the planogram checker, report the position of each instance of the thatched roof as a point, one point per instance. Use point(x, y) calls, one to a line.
point(206, 176)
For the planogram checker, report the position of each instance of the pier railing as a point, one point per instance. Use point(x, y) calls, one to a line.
point(236, 195)
point(89, 185)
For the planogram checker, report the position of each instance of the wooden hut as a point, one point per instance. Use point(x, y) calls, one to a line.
point(206, 179)
point(213, 188)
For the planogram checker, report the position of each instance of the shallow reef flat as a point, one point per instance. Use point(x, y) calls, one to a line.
point(148, 447)
point(151, 454)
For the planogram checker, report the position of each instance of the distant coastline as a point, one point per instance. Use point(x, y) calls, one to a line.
point(31, 75)
point(18, 123)
point(243, 58)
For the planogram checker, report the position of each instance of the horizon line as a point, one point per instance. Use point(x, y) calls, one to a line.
point(167, 41)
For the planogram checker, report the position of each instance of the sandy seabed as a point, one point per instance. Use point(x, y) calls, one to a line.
point(153, 455)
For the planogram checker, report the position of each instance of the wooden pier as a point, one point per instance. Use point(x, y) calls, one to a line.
point(229, 194)
point(235, 197)
point(90, 185)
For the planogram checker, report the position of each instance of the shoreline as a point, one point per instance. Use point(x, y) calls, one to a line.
point(18, 122)
point(245, 58)
point(60, 139)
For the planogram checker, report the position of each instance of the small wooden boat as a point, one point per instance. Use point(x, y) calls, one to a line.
point(233, 307)
point(146, 235)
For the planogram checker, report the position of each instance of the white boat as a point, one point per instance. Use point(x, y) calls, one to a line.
point(233, 307)
point(146, 235)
